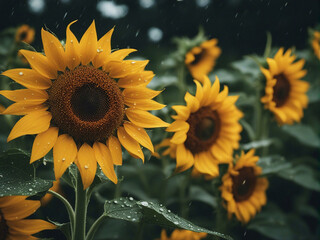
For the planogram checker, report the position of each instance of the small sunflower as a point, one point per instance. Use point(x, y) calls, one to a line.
point(200, 60)
point(206, 131)
point(180, 234)
point(316, 44)
point(242, 189)
point(13, 226)
point(84, 101)
point(25, 33)
point(285, 92)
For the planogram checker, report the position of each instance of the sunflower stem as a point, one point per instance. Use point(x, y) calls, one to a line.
point(81, 210)
point(95, 226)
point(67, 205)
point(267, 50)
point(181, 79)
point(184, 209)
point(265, 132)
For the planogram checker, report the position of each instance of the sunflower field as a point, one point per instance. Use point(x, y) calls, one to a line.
point(160, 120)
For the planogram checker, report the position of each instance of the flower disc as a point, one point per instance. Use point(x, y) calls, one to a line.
point(243, 184)
point(86, 103)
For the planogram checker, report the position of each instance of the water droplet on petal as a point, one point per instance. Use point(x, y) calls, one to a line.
point(20, 73)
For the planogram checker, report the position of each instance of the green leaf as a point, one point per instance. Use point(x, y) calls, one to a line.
point(17, 176)
point(153, 213)
point(248, 66)
point(273, 164)
point(257, 144)
point(65, 228)
point(302, 175)
point(197, 193)
point(304, 134)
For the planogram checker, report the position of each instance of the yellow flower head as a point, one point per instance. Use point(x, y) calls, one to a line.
point(200, 60)
point(180, 234)
point(316, 44)
point(206, 131)
point(25, 33)
point(285, 92)
point(84, 101)
point(13, 210)
point(242, 189)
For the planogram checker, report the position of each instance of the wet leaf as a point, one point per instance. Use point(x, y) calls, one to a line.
point(304, 134)
point(17, 176)
point(152, 213)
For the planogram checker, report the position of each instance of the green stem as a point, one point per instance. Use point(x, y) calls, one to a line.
point(265, 132)
point(182, 79)
point(267, 50)
point(184, 209)
point(258, 115)
point(95, 226)
point(140, 231)
point(81, 211)
point(67, 205)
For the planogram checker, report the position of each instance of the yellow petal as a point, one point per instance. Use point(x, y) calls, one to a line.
point(192, 102)
point(33, 123)
point(103, 49)
point(28, 78)
point(115, 150)
point(184, 159)
point(273, 67)
point(178, 126)
point(199, 93)
point(119, 69)
point(53, 50)
point(144, 119)
point(143, 104)
point(206, 164)
point(72, 49)
point(64, 153)
point(87, 164)
point(31, 226)
point(121, 54)
point(43, 143)
point(103, 156)
point(20, 211)
point(130, 144)
point(182, 111)
point(139, 134)
point(140, 93)
point(40, 63)
point(88, 44)
point(136, 79)
point(179, 137)
point(25, 94)
point(23, 108)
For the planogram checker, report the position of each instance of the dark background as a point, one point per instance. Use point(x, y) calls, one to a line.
point(240, 25)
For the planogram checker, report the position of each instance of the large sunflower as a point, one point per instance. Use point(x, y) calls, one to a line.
point(180, 234)
point(83, 100)
point(200, 60)
point(316, 44)
point(242, 189)
point(13, 226)
point(206, 131)
point(285, 93)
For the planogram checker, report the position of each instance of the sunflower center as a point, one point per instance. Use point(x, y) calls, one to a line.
point(198, 57)
point(4, 230)
point(204, 130)
point(86, 104)
point(244, 184)
point(23, 35)
point(281, 90)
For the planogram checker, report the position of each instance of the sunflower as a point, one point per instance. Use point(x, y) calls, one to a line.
point(200, 60)
point(84, 101)
point(206, 130)
point(48, 196)
point(242, 189)
point(25, 33)
point(316, 44)
point(285, 93)
point(13, 226)
point(180, 234)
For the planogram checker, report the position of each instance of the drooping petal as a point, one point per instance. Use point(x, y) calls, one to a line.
point(87, 164)
point(178, 126)
point(88, 44)
point(115, 149)
point(129, 143)
point(40, 63)
point(31, 226)
point(43, 143)
point(33, 123)
point(72, 49)
point(28, 78)
point(24, 108)
point(103, 156)
point(20, 211)
point(139, 134)
point(144, 119)
point(53, 50)
point(64, 153)
point(185, 159)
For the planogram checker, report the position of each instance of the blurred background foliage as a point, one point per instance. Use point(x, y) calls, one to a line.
point(292, 163)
